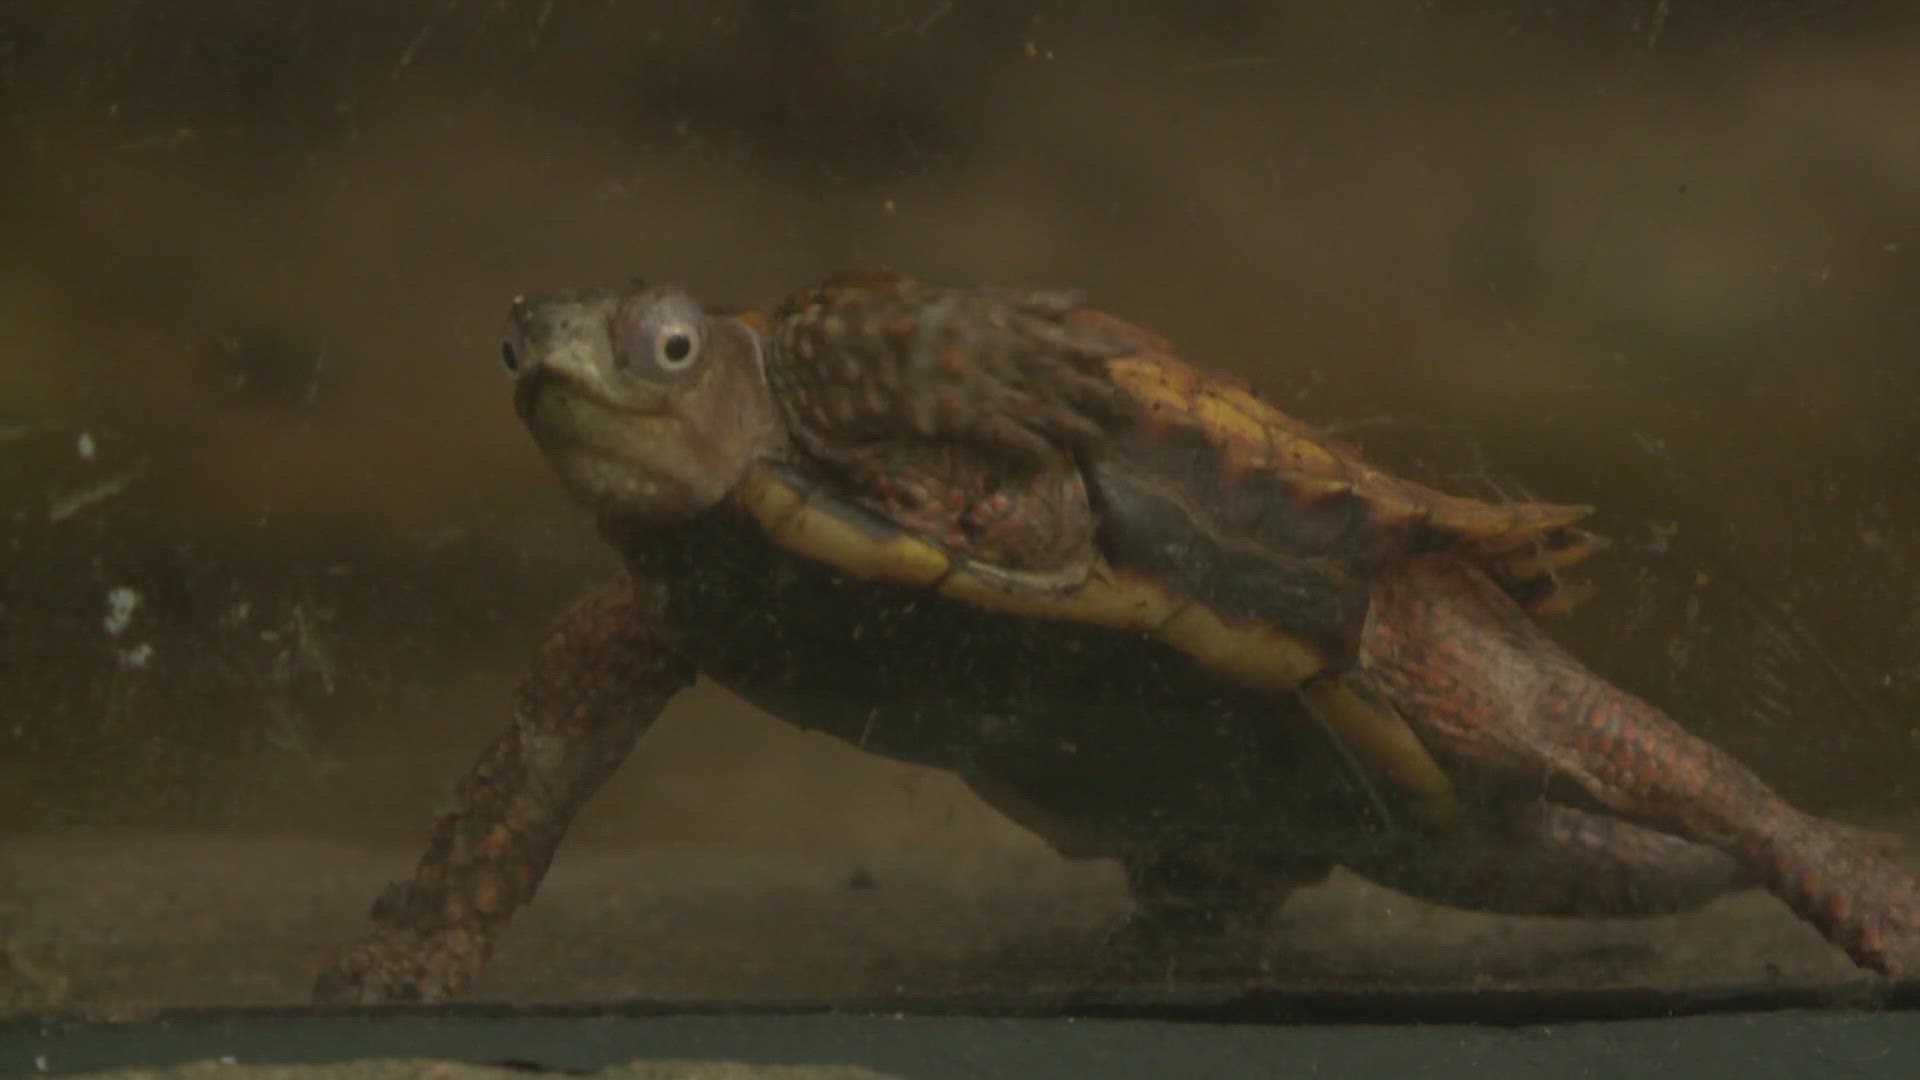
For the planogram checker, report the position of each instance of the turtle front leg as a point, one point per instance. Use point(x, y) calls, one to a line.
point(595, 684)
point(1487, 690)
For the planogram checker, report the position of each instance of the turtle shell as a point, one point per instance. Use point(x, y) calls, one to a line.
point(1218, 525)
point(1230, 639)
point(1252, 475)
point(1037, 380)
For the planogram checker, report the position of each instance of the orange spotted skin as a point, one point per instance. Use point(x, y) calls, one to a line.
point(876, 357)
point(593, 687)
point(1139, 610)
point(955, 414)
point(1488, 690)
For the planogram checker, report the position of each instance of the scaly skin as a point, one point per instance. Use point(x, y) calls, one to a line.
point(596, 683)
point(1488, 692)
point(1544, 858)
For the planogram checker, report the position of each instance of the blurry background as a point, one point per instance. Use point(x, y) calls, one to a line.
point(275, 547)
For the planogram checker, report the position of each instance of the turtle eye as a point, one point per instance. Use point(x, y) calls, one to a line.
point(659, 332)
point(676, 348)
point(509, 356)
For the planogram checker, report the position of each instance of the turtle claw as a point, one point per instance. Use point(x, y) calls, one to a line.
point(1885, 937)
point(396, 962)
point(1837, 878)
point(1891, 951)
point(395, 965)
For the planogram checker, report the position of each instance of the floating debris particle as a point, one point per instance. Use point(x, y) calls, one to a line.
point(74, 502)
point(122, 602)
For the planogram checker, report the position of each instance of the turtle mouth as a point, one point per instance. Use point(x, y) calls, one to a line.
point(565, 412)
point(617, 457)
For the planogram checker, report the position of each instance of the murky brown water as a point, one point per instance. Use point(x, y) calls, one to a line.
point(276, 547)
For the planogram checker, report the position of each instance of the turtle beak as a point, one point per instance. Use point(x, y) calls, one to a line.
point(559, 348)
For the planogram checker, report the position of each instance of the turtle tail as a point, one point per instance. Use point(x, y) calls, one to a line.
point(1530, 574)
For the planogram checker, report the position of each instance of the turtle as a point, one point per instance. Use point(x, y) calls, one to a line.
point(1134, 606)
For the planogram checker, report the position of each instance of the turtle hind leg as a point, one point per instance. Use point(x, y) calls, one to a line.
point(1549, 859)
point(1487, 691)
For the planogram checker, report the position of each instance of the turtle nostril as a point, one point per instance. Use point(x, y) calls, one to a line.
point(509, 356)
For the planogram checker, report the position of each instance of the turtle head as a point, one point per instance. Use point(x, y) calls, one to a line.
point(651, 407)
